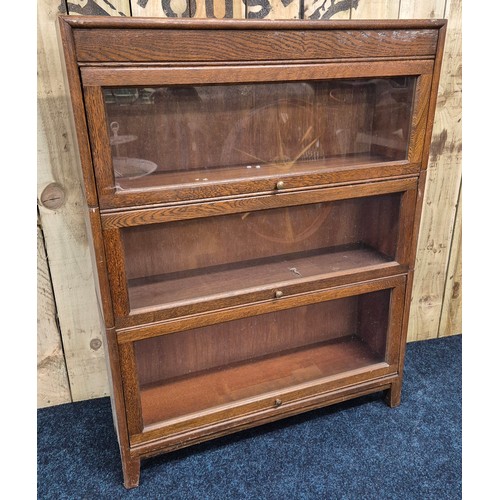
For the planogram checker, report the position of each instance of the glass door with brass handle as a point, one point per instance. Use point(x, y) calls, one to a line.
point(276, 357)
point(198, 141)
point(196, 263)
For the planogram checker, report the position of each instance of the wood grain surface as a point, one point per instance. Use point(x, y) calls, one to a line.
point(143, 45)
point(442, 190)
point(160, 439)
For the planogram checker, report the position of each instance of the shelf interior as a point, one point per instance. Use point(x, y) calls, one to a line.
point(217, 281)
point(213, 388)
point(201, 369)
point(195, 260)
point(252, 170)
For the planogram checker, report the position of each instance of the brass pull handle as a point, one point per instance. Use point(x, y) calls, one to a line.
point(280, 185)
point(278, 294)
point(277, 402)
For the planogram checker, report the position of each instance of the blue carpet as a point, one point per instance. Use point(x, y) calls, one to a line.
point(360, 449)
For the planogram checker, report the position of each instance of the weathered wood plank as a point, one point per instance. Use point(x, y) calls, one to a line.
point(98, 7)
point(160, 8)
point(64, 228)
point(375, 9)
point(451, 316)
point(443, 184)
point(218, 9)
point(273, 9)
point(52, 378)
point(329, 9)
point(422, 9)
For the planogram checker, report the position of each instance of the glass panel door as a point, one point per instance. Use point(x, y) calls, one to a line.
point(199, 135)
point(208, 368)
point(202, 259)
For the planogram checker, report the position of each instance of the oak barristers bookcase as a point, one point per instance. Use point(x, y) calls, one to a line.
point(254, 191)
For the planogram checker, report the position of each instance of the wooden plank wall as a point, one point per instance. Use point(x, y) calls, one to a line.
point(71, 365)
point(53, 384)
point(443, 180)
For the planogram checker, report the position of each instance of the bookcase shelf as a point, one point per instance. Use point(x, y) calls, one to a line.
point(273, 272)
point(254, 192)
point(218, 387)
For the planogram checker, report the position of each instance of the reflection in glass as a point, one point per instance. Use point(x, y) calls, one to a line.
point(210, 133)
point(203, 369)
point(203, 259)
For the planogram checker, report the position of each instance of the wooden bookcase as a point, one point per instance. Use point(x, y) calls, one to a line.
point(254, 192)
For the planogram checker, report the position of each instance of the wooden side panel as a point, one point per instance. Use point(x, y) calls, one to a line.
point(273, 9)
point(98, 7)
point(443, 184)
point(130, 388)
point(195, 350)
point(52, 378)
point(451, 317)
point(329, 9)
point(375, 9)
point(64, 229)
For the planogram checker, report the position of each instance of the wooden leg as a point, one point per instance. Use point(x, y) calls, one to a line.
point(393, 395)
point(131, 472)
